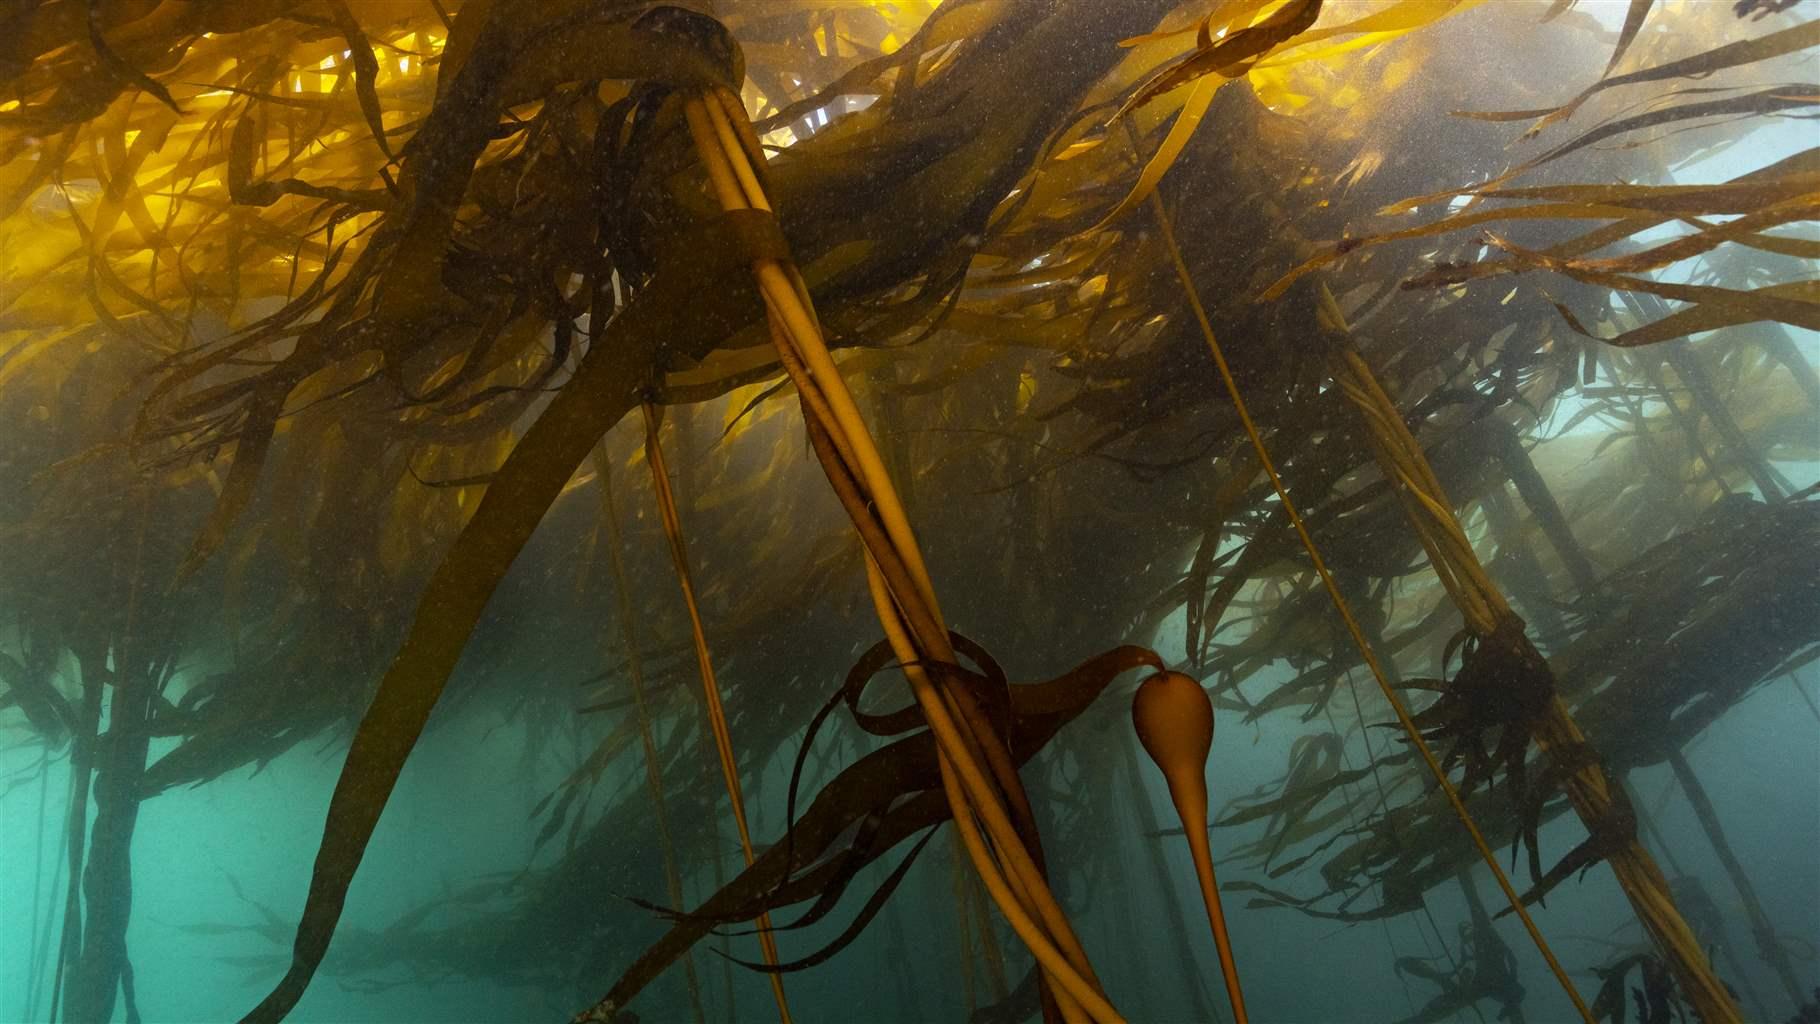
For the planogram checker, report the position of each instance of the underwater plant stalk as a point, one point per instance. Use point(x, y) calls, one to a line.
point(1542, 504)
point(1174, 721)
point(964, 931)
point(1760, 926)
point(1648, 824)
point(1684, 420)
point(41, 919)
point(82, 754)
point(1352, 623)
point(902, 593)
point(717, 714)
point(1198, 996)
point(800, 336)
point(1487, 615)
point(1528, 580)
point(654, 779)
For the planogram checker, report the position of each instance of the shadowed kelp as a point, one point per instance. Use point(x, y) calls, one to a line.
point(350, 296)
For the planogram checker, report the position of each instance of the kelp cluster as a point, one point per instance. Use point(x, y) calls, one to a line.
point(318, 316)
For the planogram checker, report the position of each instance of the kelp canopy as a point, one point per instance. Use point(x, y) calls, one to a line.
point(1287, 343)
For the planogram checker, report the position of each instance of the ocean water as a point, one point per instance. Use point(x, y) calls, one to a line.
point(1066, 467)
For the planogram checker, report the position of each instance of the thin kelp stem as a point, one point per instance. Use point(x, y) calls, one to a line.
point(964, 932)
point(42, 965)
point(716, 713)
point(31, 942)
point(82, 754)
point(1377, 779)
point(1812, 708)
point(1542, 504)
point(1762, 930)
point(976, 772)
point(103, 971)
point(1173, 718)
point(1608, 820)
point(1646, 820)
point(996, 984)
point(1199, 999)
point(1352, 623)
point(635, 671)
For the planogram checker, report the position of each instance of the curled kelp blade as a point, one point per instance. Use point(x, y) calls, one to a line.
point(118, 66)
point(873, 905)
point(897, 786)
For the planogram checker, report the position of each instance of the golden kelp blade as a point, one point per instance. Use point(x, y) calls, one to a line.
point(1276, 42)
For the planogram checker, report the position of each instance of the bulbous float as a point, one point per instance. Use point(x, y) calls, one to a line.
point(1174, 722)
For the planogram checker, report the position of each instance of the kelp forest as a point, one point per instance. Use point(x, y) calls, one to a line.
point(984, 510)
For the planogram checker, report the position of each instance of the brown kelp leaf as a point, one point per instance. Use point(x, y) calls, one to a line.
point(366, 73)
point(243, 149)
point(1068, 693)
point(1556, 9)
point(1767, 101)
point(254, 444)
point(1633, 23)
point(1748, 51)
point(1710, 237)
point(1711, 316)
point(1744, 230)
point(1786, 181)
point(1541, 211)
point(1399, 17)
point(1796, 303)
point(120, 68)
point(899, 783)
point(1775, 182)
point(1227, 53)
point(866, 913)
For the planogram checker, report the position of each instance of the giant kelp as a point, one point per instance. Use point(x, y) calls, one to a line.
point(343, 298)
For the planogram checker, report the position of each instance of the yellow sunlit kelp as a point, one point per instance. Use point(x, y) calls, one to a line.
point(318, 318)
point(1276, 55)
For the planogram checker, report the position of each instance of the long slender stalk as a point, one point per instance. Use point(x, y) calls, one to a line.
point(717, 715)
point(102, 969)
point(976, 772)
point(1647, 822)
point(1199, 998)
point(1762, 929)
point(41, 921)
point(1541, 501)
point(1488, 616)
point(81, 759)
point(1352, 623)
point(654, 780)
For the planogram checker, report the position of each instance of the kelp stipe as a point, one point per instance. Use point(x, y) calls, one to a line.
point(1174, 720)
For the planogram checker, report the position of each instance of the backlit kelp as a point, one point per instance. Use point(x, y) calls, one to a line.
point(1464, 346)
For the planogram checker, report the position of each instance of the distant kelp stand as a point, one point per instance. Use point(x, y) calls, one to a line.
point(343, 302)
